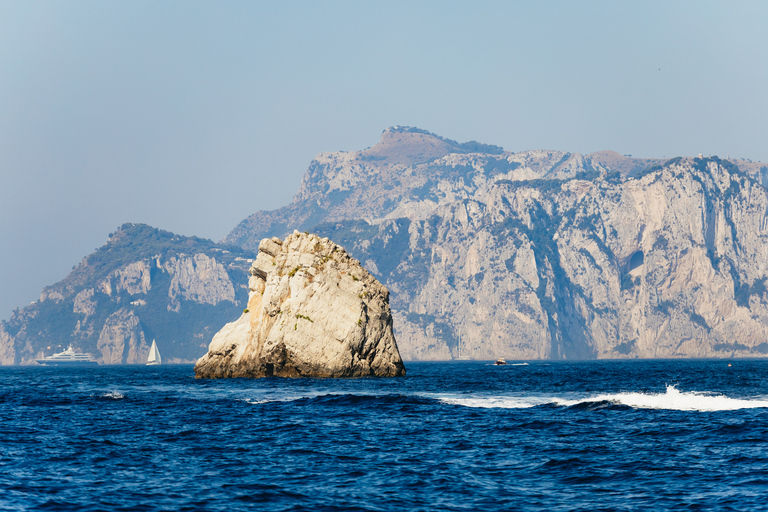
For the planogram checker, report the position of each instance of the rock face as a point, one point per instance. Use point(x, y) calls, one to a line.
point(488, 253)
point(143, 284)
point(313, 311)
point(668, 264)
point(546, 254)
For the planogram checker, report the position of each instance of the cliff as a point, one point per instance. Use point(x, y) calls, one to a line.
point(312, 312)
point(488, 253)
point(143, 284)
point(545, 254)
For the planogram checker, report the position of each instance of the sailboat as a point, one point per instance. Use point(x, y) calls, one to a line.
point(154, 354)
point(461, 351)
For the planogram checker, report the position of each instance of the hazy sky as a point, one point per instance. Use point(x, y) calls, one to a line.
point(190, 116)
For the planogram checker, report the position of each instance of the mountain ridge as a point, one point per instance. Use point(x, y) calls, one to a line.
point(389, 216)
point(488, 253)
point(343, 185)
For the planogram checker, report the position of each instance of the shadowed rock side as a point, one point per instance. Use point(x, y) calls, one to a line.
point(313, 311)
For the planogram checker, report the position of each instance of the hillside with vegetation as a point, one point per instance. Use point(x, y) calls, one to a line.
point(143, 284)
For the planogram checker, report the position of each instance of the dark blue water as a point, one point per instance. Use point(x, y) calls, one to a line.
point(647, 435)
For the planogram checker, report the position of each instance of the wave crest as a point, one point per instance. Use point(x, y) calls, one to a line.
point(676, 400)
point(673, 399)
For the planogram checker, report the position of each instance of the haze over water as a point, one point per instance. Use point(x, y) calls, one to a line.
point(190, 116)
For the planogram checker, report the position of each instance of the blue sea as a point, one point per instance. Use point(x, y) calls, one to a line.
point(597, 435)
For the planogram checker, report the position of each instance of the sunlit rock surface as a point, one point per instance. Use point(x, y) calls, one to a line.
point(313, 311)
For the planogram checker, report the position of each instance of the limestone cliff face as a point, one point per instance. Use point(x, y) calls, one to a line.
point(546, 254)
point(488, 253)
point(671, 264)
point(198, 278)
point(7, 353)
point(144, 284)
point(122, 340)
point(313, 311)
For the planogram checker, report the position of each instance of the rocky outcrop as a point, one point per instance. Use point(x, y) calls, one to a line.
point(143, 284)
point(7, 350)
point(313, 311)
point(199, 278)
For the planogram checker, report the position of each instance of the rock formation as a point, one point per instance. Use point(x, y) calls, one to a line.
point(313, 311)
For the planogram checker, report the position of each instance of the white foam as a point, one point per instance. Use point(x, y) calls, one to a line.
point(258, 401)
point(496, 402)
point(672, 399)
point(114, 395)
point(491, 403)
point(279, 397)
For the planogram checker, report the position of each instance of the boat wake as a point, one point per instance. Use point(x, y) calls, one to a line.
point(260, 401)
point(673, 399)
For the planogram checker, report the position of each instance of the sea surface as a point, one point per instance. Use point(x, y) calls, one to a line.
point(605, 435)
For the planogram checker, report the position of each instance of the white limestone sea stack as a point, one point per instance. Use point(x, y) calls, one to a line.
point(313, 311)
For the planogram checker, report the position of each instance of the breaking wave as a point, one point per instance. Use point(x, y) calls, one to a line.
point(673, 399)
point(260, 401)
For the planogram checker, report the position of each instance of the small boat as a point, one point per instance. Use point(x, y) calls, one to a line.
point(500, 362)
point(68, 358)
point(154, 354)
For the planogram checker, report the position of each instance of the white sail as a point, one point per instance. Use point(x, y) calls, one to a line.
point(154, 354)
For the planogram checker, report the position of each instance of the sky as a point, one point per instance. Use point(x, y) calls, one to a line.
point(191, 115)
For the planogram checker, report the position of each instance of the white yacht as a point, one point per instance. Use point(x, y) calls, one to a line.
point(67, 358)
